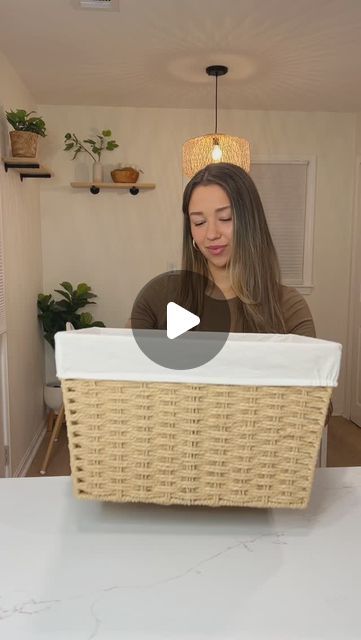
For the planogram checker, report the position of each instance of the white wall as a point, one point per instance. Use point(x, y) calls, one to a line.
point(23, 280)
point(116, 242)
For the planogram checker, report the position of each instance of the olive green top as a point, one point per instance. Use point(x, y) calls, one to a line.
point(150, 310)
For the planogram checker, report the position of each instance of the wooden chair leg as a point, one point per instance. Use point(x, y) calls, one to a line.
point(50, 420)
point(63, 423)
point(54, 436)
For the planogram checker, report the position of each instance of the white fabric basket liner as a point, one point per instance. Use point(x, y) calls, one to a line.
point(245, 359)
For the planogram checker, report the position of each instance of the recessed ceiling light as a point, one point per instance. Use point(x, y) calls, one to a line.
point(107, 5)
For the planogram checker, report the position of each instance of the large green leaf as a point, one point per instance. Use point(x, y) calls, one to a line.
point(63, 293)
point(66, 285)
point(86, 319)
point(83, 287)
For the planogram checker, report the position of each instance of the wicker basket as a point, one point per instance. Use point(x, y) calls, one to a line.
point(24, 144)
point(242, 430)
point(212, 445)
point(127, 174)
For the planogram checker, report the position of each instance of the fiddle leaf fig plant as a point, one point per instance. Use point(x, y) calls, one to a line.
point(54, 314)
point(73, 144)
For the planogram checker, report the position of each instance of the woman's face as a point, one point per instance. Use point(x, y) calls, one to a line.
point(211, 221)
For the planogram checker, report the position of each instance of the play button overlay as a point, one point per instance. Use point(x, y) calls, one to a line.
point(181, 320)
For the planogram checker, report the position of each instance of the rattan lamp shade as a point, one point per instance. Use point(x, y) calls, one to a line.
point(215, 147)
point(197, 152)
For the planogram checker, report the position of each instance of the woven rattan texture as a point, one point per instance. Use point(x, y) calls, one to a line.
point(194, 444)
point(24, 145)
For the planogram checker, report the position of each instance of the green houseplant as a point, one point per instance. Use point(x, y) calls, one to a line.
point(27, 129)
point(54, 314)
point(103, 143)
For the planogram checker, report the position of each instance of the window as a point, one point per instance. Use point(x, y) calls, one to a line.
point(287, 190)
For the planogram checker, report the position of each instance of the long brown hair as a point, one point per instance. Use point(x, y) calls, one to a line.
point(253, 267)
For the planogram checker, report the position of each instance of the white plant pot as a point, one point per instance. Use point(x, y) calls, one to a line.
point(97, 172)
point(53, 396)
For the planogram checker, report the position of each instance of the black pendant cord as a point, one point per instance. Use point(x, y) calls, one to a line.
point(215, 129)
point(216, 70)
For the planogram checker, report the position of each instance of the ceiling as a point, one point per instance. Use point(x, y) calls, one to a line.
point(281, 54)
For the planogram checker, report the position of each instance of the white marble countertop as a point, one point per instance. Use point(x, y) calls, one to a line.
point(78, 570)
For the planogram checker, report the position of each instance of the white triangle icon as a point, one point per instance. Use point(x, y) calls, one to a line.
point(179, 320)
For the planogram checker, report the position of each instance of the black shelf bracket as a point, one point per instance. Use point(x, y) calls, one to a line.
point(95, 190)
point(34, 175)
point(21, 165)
point(25, 169)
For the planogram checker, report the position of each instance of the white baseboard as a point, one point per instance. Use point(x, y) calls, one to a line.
point(31, 452)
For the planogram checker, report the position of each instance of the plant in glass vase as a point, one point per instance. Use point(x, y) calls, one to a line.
point(103, 143)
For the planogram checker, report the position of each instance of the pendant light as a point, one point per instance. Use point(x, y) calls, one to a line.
point(215, 147)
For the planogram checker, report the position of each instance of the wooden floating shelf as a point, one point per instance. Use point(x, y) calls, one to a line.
point(95, 187)
point(27, 167)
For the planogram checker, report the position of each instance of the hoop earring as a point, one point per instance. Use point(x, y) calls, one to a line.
point(194, 245)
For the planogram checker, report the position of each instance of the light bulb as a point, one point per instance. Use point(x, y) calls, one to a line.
point(216, 153)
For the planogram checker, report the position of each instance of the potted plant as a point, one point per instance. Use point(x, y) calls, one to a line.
point(72, 143)
point(126, 174)
point(54, 314)
point(27, 129)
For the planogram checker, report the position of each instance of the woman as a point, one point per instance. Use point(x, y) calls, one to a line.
point(227, 243)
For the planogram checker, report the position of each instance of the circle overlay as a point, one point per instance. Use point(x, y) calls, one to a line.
point(194, 293)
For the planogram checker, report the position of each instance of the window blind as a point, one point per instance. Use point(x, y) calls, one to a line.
point(283, 190)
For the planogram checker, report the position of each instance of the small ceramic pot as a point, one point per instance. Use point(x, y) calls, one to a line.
point(53, 396)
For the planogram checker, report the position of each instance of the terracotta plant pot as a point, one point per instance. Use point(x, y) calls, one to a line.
point(24, 144)
point(127, 174)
